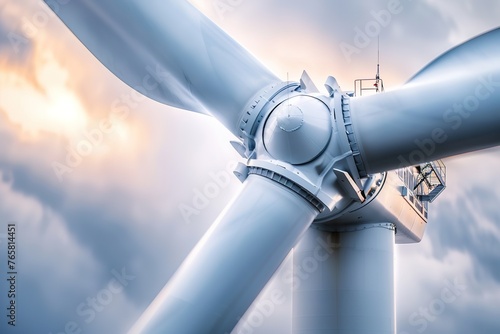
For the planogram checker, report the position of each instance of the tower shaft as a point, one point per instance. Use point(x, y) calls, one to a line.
point(344, 281)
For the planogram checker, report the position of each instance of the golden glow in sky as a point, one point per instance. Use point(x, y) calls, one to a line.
point(45, 105)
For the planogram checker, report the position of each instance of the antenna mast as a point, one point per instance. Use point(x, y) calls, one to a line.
point(374, 84)
point(379, 84)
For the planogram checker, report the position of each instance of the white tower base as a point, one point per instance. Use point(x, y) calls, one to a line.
point(344, 281)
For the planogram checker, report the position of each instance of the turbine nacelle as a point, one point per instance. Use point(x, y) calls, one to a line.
point(304, 140)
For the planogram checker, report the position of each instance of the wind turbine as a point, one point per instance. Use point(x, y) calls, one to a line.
point(311, 160)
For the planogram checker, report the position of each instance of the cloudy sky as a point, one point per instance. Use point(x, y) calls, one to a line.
point(98, 235)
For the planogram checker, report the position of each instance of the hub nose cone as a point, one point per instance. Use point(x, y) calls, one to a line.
point(298, 130)
point(290, 118)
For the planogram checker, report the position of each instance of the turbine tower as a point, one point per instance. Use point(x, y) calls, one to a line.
point(318, 167)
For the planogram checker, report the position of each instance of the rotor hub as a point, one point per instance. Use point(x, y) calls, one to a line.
point(298, 130)
point(290, 118)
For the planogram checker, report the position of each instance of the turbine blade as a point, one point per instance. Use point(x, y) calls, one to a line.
point(450, 107)
point(232, 263)
point(170, 52)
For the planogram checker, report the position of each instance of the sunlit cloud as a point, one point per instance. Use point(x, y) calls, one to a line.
point(46, 105)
